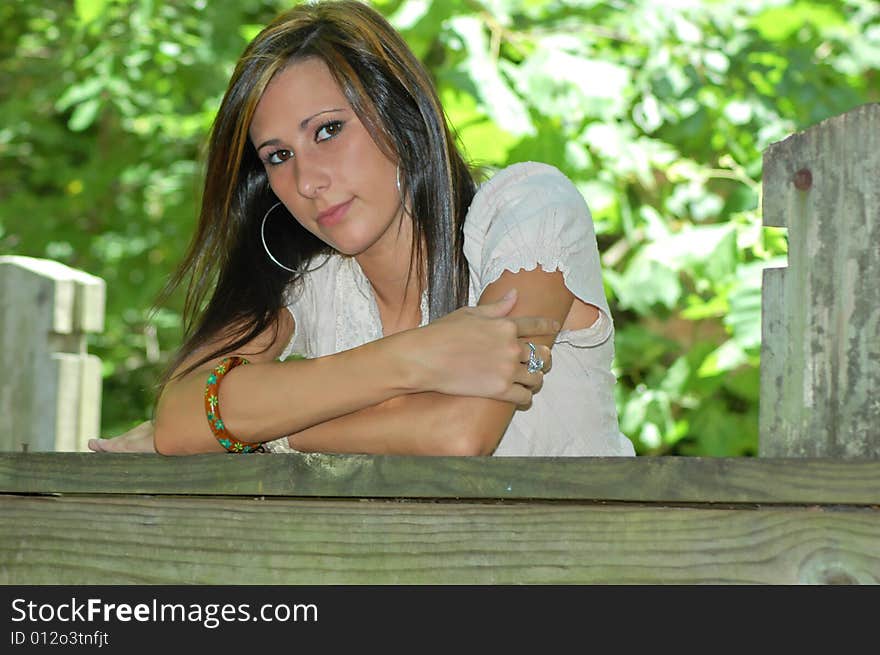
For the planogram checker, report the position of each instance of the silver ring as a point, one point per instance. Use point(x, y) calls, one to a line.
point(535, 363)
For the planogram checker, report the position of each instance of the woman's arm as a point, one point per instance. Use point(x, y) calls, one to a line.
point(472, 351)
point(440, 424)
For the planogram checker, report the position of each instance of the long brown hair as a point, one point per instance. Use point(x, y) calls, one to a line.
point(394, 97)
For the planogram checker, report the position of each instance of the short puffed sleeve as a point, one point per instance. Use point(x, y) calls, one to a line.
point(528, 215)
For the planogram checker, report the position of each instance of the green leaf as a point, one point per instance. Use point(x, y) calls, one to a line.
point(572, 86)
point(80, 92)
point(726, 357)
point(708, 251)
point(721, 432)
point(744, 316)
point(645, 284)
point(84, 115)
point(88, 10)
point(248, 32)
point(699, 309)
point(780, 23)
point(638, 346)
point(505, 108)
point(484, 142)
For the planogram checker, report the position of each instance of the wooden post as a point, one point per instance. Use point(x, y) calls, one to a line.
point(820, 355)
point(50, 390)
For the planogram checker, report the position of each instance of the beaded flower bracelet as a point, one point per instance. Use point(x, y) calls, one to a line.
point(212, 409)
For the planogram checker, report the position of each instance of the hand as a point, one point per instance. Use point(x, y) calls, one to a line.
point(479, 352)
point(137, 440)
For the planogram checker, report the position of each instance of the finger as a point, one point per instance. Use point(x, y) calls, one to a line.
point(547, 355)
point(525, 403)
point(137, 440)
point(539, 386)
point(534, 382)
point(541, 354)
point(535, 326)
point(520, 396)
point(530, 381)
point(500, 307)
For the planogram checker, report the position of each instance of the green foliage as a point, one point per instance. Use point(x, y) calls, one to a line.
point(659, 111)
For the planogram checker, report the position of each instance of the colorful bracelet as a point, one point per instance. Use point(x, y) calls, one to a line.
point(212, 409)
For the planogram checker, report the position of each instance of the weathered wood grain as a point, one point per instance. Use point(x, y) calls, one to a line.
point(355, 519)
point(820, 353)
point(86, 540)
point(50, 393)
point(649, 479)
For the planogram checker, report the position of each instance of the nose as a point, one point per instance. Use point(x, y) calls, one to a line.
point(311, 177)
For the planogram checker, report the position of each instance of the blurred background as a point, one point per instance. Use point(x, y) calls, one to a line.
point(659, 110)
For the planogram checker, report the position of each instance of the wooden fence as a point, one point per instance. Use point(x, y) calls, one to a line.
point(50, 392)
point(806, 511)
point(820, 355)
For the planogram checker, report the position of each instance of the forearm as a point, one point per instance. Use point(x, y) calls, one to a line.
point(415, 424)
point(266, 400)
point(435, 423)
point(470, 353)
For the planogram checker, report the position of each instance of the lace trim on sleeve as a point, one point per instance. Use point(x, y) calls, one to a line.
point(588, 337)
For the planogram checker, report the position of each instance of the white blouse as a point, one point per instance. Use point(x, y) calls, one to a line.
point(527, 215)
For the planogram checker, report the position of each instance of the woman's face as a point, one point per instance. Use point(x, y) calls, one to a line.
point(323, 164)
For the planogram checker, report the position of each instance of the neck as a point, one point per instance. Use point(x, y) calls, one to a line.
point(395, 281)
point(395, 278)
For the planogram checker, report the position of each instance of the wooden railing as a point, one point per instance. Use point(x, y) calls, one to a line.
point(50, 390)
point(78, 518)
point(806, 511)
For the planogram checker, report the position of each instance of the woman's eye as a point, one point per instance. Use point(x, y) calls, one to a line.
point(328, 130)
point(279, 157)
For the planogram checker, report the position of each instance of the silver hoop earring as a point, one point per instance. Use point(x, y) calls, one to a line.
point(266, 247)
point(399, 190)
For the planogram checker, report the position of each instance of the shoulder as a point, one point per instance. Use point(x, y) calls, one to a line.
point(533, 182)
point(522, 193)
point(526, 172)
point(528, 196)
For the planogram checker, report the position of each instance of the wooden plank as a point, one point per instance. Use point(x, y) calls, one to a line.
point(166, 540)
point(820, 354)
point(51, 400)
point(649, 479)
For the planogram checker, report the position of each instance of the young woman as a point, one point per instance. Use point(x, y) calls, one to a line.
point(340, 223)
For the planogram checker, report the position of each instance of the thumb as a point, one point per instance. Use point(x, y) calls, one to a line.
point(500, 307)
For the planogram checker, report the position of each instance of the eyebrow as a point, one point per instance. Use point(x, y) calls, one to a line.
point(302, 125)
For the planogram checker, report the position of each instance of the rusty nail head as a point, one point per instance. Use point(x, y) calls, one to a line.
point(803, 179)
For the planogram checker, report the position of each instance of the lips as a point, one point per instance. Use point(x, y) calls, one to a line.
point(332, 215)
